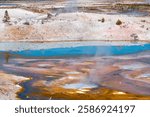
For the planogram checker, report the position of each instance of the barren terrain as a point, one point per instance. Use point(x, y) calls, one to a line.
point(76, 21)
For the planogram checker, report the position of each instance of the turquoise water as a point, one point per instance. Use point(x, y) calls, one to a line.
point(84, 50)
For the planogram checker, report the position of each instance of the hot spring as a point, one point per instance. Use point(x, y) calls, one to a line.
point(79, 70)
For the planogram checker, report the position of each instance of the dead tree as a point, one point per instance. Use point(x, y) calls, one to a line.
point(6, 17)
point(7, 57)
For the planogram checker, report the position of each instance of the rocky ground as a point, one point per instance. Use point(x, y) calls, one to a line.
point(9, 85)
point(77, 21)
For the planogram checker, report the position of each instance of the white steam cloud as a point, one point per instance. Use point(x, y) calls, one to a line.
point(147, 1)
point(71, 6)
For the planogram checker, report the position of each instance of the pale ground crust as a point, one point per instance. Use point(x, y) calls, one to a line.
point(9, 85)
point(27, 24)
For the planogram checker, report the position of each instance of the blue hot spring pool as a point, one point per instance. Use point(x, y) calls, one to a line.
point(83, 51)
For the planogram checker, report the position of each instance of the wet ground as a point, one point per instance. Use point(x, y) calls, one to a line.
point(85, 72)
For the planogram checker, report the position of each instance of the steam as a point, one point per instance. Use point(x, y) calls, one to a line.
point(100, 63)
point(147, 1)
point(94, 76)
point(71, 6)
